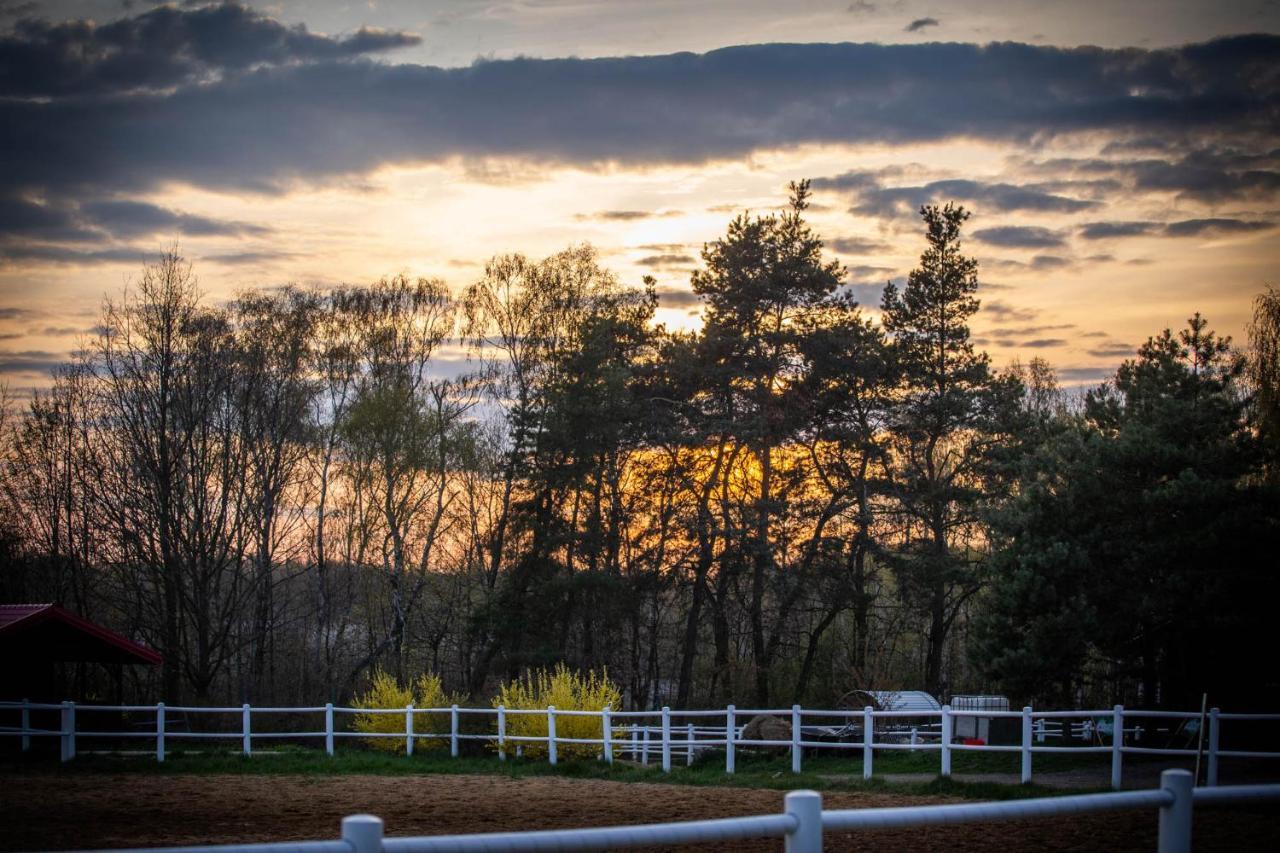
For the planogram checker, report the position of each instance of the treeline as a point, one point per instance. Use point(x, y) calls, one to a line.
point(286, 492)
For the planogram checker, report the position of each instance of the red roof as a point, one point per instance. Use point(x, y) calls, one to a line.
point(50, 632)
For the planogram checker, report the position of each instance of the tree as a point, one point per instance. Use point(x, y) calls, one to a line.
point(941, 431)
point(1138, 548)
point(766, 287)
point(1263, 367)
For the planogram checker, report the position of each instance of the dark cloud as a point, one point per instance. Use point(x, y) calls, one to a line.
point(239, 258)
point(1002, 312)
point(1113, 350)
point(1049, 262)
point(1022, 331)
point(857, 245)
point(674, 297)
point(126, 219)
point(1197, 227)
point(875, 199)
point(1020, 237)
point(165, 47)
point(1206, 174)
point(624, 215)
point(1082, 375)
point(296, 108)
point(65, 255)
point(1043, 343)
point(666, 260)
point(868, 271)
point(32, 220)
point(1107, 230)
point(861, 7)
point(919, 24)
point(31, 361)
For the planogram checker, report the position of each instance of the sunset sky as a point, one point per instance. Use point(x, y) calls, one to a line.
point(1122, 161)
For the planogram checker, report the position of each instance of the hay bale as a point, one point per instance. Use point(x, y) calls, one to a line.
point(764, 727)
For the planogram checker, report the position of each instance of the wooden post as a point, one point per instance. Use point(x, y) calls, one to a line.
point(453, 731)
point(328, 728)
point(1117, 745)
point(502, 733)
point(868, 738)
point(160, 732)
point(1026, 744)
point(730, 735)
point(644, 749)
point(688, 758)
point(1215, 733)
point(946, 740)
point(795, 739)
point(363, 832)
point(68, 731)
point(26, 726)
point(1175, 818)
point(246, 733)
point(408, 729)
point(551, 733)
point(806, 808)
point(666, 739)
point(606, 735)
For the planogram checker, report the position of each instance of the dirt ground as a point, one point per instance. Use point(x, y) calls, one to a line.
point(53, 811)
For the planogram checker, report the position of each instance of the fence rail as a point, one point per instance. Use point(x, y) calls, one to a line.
point(801, 823)
point(636, 735)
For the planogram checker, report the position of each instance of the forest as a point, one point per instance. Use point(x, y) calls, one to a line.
point(290, 491)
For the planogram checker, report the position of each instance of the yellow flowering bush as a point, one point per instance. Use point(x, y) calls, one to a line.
point(567, 691)
point(386, 692)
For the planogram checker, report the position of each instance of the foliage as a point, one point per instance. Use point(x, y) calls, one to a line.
point(564, 690)
point(385, 692)
point(1139, 549)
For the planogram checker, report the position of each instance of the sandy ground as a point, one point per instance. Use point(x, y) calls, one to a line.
point(51, 811)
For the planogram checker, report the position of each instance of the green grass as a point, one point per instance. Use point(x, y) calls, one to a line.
point(829, 772)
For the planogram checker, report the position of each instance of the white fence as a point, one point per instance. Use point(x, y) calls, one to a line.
point(801, 823)
point(684, 733)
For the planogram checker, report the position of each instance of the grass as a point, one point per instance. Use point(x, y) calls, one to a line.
point(829, 772)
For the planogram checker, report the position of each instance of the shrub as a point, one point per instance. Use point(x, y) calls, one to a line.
point(386, 692)
point(567, 691)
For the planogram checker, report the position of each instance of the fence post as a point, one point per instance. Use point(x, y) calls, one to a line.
point(363, 832)
point(730, 735)
point(1026, 744)
point(1040, 730)
point(246, 731)
point(408, 729)
point(644, 749)
point(502, 733)
point(160, 732)
point(606, 735)
point(666, 739)
point(551, 733)
point(328, 728)
point(26, 726)
point(68, 731)
point(453, 731)
point(946, 740)
point(806, 808)
point(915, 737)
point(1215, 732)
point(795, 739)
point(1175, 818)
point(868, 738)
point(1117, 746)
point(688, 746)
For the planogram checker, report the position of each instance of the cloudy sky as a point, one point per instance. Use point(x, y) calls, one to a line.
point(1122, 164)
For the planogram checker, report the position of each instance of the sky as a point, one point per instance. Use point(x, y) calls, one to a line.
point(1121, 161)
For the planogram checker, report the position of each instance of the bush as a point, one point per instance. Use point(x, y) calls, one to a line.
point(567, 691)
point(386, 692)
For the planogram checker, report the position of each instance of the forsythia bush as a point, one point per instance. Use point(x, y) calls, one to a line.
point(386, 692)
point(567, 691)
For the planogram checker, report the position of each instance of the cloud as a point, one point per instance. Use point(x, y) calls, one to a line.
point(315, 110)
point(875, 199)
point(31, 361)
point(165, 47)
point(1108, 230)
point(1113, 349)
point(1019, 236)
point(869, 271)
point(1197, 227)
point(666, 260)
point(919, 24)
point(1043, 343)
point(624, 215)
point(127, 219)
point(65, 255)
point(246, 258)
point(1083, 375)
point(1003, 312)
point(861, 7)
point(857, 245)
point(674, 297)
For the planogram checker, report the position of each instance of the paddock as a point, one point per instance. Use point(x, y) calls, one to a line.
point(57, 809)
